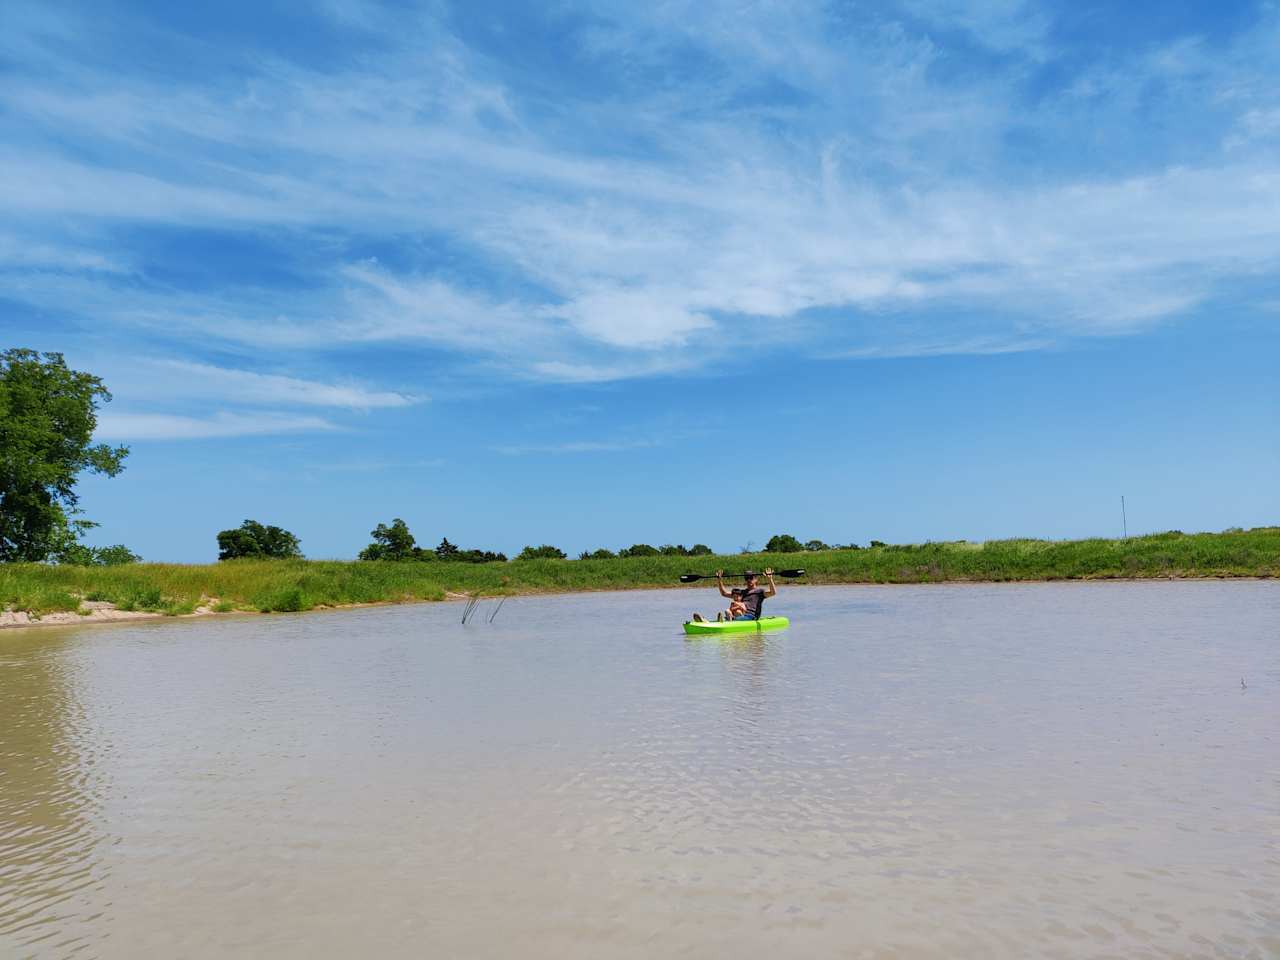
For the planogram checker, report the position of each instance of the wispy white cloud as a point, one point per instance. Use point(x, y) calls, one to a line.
point(114, 426)
point(25, 254)
point(869, 191)
point(177, 378)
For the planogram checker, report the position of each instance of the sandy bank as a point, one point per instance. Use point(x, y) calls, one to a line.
point(91, 611)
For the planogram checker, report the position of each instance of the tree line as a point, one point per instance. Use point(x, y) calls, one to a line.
point(394, 541)
point(48, 413)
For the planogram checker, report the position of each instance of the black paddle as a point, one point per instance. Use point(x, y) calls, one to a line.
point(691, 577)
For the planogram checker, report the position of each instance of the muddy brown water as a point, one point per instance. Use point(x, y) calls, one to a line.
point(1048, 770)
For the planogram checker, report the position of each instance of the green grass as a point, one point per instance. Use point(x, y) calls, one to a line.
point(291, 585)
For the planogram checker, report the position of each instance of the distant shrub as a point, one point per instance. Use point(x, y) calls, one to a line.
point(478, 556)
point(783, 543)
point(638, 550)
point(700, 550)
point(77, 554)
point(878, 543)
point(813, 546)
point(115, 555)
point(544, 552)
point(600, 554)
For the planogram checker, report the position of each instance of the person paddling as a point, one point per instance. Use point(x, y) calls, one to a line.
point(752, 596)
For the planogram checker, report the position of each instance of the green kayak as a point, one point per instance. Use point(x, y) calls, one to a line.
point(696, 627)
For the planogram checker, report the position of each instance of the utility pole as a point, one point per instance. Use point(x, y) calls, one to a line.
point(1124, 517)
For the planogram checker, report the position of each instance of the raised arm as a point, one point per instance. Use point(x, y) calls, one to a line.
point(724, 591)
point(773, 587)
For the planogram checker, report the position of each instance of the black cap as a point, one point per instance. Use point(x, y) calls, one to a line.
point(749, 573)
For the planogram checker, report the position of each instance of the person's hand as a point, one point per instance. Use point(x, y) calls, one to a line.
point(719, 574)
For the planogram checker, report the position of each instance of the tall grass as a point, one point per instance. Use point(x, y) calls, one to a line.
point(280, 585)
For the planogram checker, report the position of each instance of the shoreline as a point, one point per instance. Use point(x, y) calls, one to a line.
point(98, 612)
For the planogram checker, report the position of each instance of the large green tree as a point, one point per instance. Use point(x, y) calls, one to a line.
point(48, 413)
point(253, 539)
point(393, 542)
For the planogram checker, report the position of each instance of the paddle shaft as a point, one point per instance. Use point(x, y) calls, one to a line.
point(691, 577)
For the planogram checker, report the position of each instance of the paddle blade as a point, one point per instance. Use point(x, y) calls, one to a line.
point(689, 577)
point(791, 573)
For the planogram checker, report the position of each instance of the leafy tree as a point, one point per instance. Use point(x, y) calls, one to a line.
point(390, 543)
point(638, 550)
point(447, 550)
point(600, 554)
point(48, 413)
point(699, 550)
point(544, 552)
point(877, 543)
point(253, 539)
point(815, 545)
point(79, 555)
point(783, 543)
point(676, 550)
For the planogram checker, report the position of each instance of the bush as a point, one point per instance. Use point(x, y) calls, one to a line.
point(143, 598)
point(699, 550)
point(813, 546)
point(639, 550)
point(479, 556)
point(783, 543)
point(600, 554)
point(544, 552)
point(283, 600)
point(77, 554)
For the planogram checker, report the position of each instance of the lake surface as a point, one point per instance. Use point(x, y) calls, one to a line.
point(1065, 770)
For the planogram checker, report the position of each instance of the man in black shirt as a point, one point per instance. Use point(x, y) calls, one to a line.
point(754, 596)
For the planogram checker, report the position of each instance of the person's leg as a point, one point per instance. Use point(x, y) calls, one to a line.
point(697, 618)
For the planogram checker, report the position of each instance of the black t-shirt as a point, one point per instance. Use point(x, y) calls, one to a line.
point(753, 598)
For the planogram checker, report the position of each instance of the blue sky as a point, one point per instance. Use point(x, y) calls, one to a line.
point(593, 273)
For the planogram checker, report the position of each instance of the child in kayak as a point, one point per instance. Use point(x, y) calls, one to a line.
point(737, 609)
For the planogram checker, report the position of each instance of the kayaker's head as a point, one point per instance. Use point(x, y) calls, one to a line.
point(750, 576)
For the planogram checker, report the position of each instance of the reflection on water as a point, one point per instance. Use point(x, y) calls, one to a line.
point(47, 834)
point(1050, 770)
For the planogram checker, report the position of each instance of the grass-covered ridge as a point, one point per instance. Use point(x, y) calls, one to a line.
point(284, 585)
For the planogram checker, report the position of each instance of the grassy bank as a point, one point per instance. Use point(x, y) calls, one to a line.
point(305, 584)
